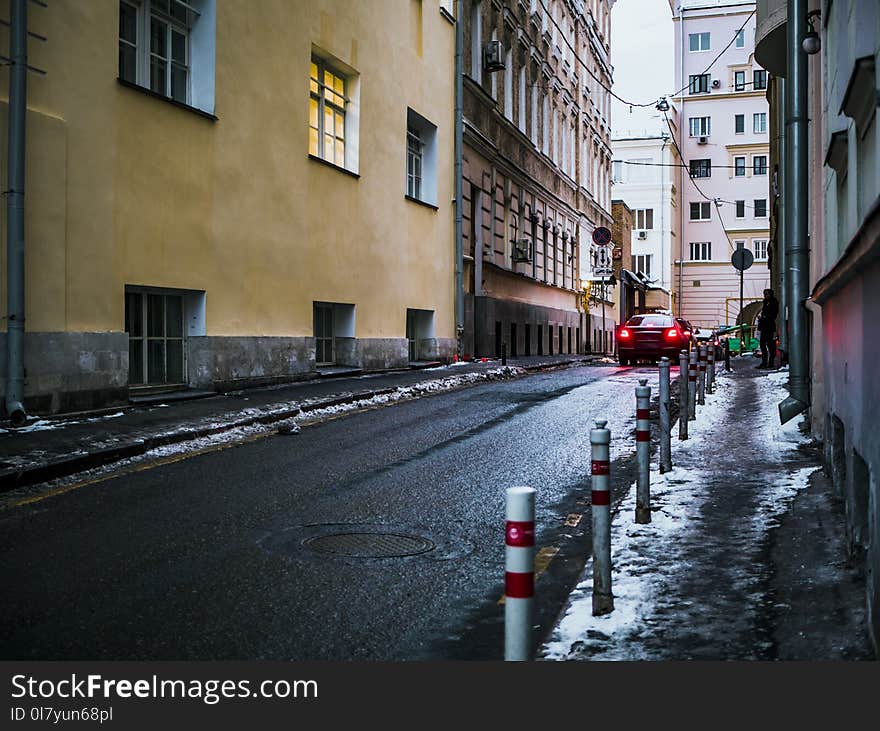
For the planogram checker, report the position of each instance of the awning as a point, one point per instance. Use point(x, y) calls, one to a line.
point(634, 280)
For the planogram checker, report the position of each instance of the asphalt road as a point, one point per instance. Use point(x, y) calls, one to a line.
point(225, 555)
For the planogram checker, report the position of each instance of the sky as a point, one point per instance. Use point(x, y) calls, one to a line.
point(642, 56)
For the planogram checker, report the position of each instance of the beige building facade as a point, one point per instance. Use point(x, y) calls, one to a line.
point(225, 194)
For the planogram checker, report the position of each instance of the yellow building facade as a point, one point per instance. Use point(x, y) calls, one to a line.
point(232, 193)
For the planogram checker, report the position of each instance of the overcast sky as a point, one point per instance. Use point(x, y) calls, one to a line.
point(642, 56)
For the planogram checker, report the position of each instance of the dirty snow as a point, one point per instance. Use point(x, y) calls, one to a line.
point(652, 562)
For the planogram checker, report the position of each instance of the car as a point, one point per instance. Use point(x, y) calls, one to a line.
point(652, 336)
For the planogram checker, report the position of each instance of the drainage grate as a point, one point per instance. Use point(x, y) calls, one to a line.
point(369, 545)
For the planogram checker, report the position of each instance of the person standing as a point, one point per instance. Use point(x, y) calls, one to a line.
point(767, 329)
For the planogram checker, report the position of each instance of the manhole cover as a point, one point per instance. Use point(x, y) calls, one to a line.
point(369, 545)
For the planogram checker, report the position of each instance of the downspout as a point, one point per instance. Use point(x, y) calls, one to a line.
point(781, 231)
point(459, 134)
point(796, 238)
point(15, 214)
point(681, 118)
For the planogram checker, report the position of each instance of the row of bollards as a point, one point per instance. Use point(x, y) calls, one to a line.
point(696, 379)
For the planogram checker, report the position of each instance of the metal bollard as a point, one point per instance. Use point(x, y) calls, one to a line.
point(519, 573)
point(692, 385)
point(710, 366)
point(504, 354)
point(665, 436)
point(701, 383)
point(643, 451)
point(682, 395)
point(600, 441)
point(726, 356)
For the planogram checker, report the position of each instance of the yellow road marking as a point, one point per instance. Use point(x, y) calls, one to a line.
point(573, 519)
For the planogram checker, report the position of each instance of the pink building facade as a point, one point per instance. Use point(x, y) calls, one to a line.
point(725, 192)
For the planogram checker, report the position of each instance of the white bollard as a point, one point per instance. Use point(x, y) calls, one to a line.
point(683, 395)
point(600, 440)
point(643, 451)
point(665, 435)
point(710, 367)
point(519, 573)
point(701, 383)
point(692, 385)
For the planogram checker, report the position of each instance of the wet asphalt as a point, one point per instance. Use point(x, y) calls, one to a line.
point(223, 556)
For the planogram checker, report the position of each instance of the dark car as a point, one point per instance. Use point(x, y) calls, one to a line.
point(650, 337)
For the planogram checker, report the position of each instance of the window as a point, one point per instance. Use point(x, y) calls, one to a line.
point(759, 165)
point(154, 323)
point(701, 251)
point(699, 41)
point(759, 122)
point(759, 77)
point(699, 84)
point(421, 158)
point(740, 209)
point(760, 249)
point(739, 123)
point(326, 113)
point(158, 40)
point(617, 171)
point(740, 41)
point(700, 211)
point(739, 167)
point(701, 168)
point(414, 148)
point(643, 218)
point(700, 126)
point(760, 207)
point(641, 263)
point(739, 80)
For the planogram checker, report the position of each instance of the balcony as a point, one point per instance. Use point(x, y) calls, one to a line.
point(770, 41)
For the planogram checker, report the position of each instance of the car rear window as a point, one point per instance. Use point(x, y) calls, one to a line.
point(650, 320)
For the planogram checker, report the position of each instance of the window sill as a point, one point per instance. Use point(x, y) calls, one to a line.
point(166, 99)
point(421, 202)
point(446, 14)
point(334, 166)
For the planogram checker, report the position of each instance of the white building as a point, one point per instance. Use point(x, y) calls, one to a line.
point(644, 174)
point(724, 140)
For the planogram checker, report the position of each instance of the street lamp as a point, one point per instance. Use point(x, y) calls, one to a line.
point(811, 43)
point(663, 105)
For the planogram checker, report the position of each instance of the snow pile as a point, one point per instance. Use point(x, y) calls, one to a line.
point(653, 563)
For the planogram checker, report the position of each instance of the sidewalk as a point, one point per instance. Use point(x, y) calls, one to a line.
point(51, 448)
point(745, 557)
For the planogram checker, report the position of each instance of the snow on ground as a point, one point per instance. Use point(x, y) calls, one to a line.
point(650, 562)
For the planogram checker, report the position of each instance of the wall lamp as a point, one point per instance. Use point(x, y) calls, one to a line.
point(811, 43)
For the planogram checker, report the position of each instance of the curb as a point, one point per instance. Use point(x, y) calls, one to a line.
point(12, 478)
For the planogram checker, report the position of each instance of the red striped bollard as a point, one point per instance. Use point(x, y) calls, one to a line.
point(600, 440)
point(701, 383)
point(519, 573)
point(692, 385)
point(643, 451)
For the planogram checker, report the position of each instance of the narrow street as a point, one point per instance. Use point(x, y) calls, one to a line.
point(236, 554)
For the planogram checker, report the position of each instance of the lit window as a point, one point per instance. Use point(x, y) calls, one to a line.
point(157, 42)
point(327, 103)
point(701, 251)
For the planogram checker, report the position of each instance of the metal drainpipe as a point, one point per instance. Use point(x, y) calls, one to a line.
point(681, 173)
point(780, 234)
point(459, 135)
point(796, 214)
point(15, 214)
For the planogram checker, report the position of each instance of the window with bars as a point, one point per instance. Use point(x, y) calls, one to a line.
point(327, 102)
point(701, 168)
point(701, 211)
point(414, 148)
point(155, 47)
point(699, 83)
point(701, 251)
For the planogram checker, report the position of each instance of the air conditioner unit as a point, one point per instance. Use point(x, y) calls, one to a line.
point(493, 59)
point(716, 83)
point(522, 250)
point(643, 234)
point(702, 140)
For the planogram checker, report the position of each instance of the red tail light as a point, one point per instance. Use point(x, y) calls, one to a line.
point(672, 333)
point(624, 333)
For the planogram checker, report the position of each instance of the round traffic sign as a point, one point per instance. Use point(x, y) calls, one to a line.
point(742, 259)
point(601, 235)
